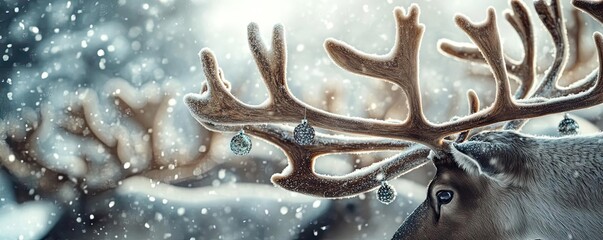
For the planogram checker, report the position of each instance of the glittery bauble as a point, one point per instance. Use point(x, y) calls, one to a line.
point(568, 126)
point(386, 193)
point(240, 144)
point(303, 133)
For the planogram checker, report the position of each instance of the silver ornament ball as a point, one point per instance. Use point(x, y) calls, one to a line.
point(386, 193)
point(240, 144)
point(568, 126)
point(303, 134)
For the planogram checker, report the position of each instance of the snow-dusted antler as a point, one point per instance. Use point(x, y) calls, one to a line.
point(219, 110)
point(524, 71)
point(216, 108)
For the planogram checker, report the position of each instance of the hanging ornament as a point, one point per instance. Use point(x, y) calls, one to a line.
point(386, 193)
point(303, 133)
point(568, 126)
point(240, 144)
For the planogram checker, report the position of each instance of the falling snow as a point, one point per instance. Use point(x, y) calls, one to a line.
point(96, 142)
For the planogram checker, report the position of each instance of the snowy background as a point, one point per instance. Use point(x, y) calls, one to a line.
point(96, 143)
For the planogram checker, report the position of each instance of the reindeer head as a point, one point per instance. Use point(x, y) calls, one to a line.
point(481, 184)
point(507, 185)
point(476, 192)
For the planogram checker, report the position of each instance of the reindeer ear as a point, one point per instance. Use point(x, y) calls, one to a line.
point(492, 159)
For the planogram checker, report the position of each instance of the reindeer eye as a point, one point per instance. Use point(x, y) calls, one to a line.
point(444, 196)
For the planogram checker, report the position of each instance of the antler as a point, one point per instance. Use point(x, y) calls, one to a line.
point(594, 8)
point(552, 18)
point(299, 176)
point(523, 71)
point(281, 104)
point(217, 109)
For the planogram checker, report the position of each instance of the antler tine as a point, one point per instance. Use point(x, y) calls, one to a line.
point(389, 67)
point(485, 36)
point(524, 71)
point(473, 108)
point(463, 51)
point(594, 8)
point(272, 64)
point(212, 73)
point(552, 18)
point(576, 57)
point(215, 97)
point(400, 66)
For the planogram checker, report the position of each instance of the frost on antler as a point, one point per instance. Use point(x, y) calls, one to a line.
point(524, 71)
point(217, 109)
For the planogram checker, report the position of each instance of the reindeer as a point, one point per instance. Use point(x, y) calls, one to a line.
point(490, 184)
